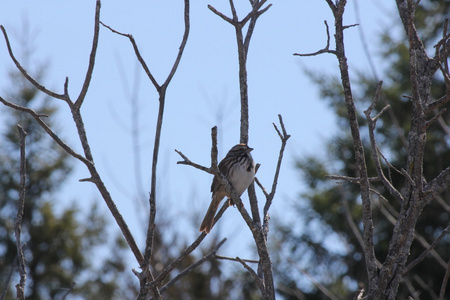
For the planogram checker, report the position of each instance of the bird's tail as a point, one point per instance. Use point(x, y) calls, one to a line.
point(208, 220)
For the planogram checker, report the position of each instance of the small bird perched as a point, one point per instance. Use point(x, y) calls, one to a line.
point(238, 167)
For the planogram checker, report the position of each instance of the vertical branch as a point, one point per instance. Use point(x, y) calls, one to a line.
point(146, 278)
point(369, 251)
point(243, 46)
point(77, 117)
point(162, 99)
point(265, 265)
point(20, 210)
point(284, 136)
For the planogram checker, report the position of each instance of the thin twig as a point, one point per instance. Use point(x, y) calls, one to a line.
point(227, 19)
point(47, 129)
point(209, 256)
point(284, 136)
point(444, 282)
point(351, 179)
point(138, 55)
point(187, 161)
point(252, 24)
point(182, 45)
point(186, 252)
point(326, 49)
point(258, 280)
point(25, 73)
point(438, 103)
point(375, 151)
point(392, 215)
point(234, 259)
point(263, 189)
point(422, 256)
point(20, 210)
point(255, 13)
point(435, 117)
point(316, 283)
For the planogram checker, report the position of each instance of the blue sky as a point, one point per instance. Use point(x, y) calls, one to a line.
point(203, 93)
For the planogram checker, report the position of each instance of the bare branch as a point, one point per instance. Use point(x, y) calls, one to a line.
point(375, 151)
point(47, 129)
point(369, 251)
point(254, 207)
point(182, 45)
point(235, 259)
point(225, 18)
point(284, 136)
point(348, 216)
point(437, 103)
point(332, 6)
point(20, 287)
point(180, 258)
point(351, 179)
point(169, 268)
point(316, 283)
point(350, 26)
point(213, 148)
point(258, 280)
point(262, 187)
point(138, 55)
point(187, 161)
point(437, 185)
point(252, 24)
point(27, 76)
point(392, 216)
point(435, 117)
point(90, 69)
point(148, 278)
point(242, 56)
point(326, 49)
point(209, 256)
point(422, 256)
point(255, 12)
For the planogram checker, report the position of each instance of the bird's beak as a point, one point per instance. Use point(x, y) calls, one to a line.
point(249, 150)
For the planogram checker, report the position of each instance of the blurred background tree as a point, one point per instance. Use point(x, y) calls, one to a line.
point(324, 245)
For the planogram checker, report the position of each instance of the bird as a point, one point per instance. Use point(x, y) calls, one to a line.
point(238, 167)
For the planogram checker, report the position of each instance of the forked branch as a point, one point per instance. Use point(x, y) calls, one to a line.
point(87, 159)
point(326, 49)
point(284, 136)
point(375, 150)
